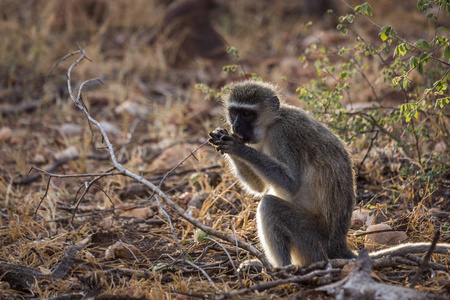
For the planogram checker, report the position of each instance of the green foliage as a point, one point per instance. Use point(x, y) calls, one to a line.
point(209, 92)
point(416, 70)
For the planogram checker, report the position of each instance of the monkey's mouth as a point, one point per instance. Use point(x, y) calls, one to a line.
point(239, 136)
point(244, 138)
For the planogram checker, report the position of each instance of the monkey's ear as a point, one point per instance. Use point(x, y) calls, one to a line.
point(274, 103)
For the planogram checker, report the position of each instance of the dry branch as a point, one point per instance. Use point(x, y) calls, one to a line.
point(360, 285)
point(121, 170)
point(69, 258)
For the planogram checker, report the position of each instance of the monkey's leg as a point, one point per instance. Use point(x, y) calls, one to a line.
point(285, 228)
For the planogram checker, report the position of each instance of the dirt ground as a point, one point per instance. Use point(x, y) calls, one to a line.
point(160, 65)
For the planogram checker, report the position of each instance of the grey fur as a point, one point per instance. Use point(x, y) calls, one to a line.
point(304, 171)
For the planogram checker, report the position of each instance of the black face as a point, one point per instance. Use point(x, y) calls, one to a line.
point(242, 121)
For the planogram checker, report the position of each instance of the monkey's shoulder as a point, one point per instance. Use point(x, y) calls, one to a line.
point(296, 121)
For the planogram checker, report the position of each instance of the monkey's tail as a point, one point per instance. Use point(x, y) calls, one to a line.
point(407, 248)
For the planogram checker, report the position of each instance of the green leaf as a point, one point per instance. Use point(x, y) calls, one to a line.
point(159, 266)
point(420, 5)
point(422, 44)
point(400, 49)
point(364, 9)
point(406, 82)
point(420, 67)
point(368, 9)
point(385, 32)
point(447, 52)
point(413, 61)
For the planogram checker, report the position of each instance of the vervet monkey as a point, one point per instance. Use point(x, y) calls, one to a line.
point(302, 170)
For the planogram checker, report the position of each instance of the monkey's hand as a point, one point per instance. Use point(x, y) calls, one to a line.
point(224, 142)
point(217, 134)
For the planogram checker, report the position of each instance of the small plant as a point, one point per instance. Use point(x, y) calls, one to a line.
point(418, 126)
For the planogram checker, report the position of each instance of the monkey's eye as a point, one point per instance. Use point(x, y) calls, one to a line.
point(234, 112)
point(246, 113)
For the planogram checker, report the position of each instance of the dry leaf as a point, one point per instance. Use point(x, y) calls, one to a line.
point(106, 223)
point(141, 213)
point(121, 250)
point(44, 271)
point(361, 216)
point(38, 159)
point(69, 151)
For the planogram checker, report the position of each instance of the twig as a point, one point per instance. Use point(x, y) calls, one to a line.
point(110, 200)
point(205, 274)
point(60, 61)
point(196, 267)
point(88, 186)
point(159, 187)
point(372, 140)
point(229, 257)
point(30, 178)
point(182, 172)
point(128, 248)
point(431, 264)
point(426, 260)
point(43, 197)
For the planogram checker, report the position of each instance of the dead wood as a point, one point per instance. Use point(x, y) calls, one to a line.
point(69, 258)
point(360, 285)
point(33, 177)
point(20, 277)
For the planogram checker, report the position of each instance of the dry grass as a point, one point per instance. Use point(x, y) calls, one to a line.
point(174, 119)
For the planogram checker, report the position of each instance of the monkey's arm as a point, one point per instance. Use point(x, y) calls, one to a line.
point(247, 175)
point(271, 170)
point(240, 168)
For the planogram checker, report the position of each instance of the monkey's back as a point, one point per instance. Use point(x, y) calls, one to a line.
point(326, 174)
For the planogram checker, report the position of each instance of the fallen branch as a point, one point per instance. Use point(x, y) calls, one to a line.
point(121, 170)
point(20, 277)
point(69, 258)
point(33, 177)
point(271, 284)
point(360, 285)
point(426, 260)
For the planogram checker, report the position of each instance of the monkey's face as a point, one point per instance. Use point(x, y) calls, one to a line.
point(243, 122)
